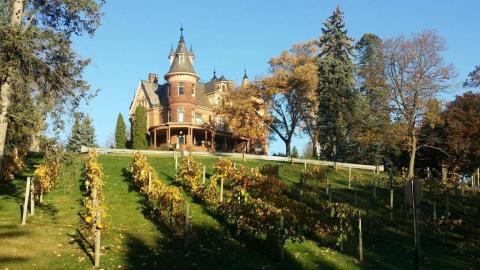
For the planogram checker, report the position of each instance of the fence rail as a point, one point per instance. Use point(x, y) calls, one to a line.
point(240, 156)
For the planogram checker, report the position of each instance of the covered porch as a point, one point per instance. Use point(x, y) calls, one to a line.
point(193, 137)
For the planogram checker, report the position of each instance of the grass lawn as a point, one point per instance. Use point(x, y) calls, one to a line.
point(52, 239)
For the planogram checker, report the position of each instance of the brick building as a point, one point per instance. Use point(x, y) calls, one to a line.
point(181, 111)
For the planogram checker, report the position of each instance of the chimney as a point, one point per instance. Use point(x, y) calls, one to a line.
point(153, 78)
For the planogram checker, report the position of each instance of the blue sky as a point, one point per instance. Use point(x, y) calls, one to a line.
point(135, 38)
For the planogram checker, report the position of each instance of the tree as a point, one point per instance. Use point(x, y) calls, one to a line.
point(75, 140)
point(335, 87)
point(120, 133)
point(473, 78)
point(415, 75)
point(36, 55)
point(290, 91)
point(82, 134)
point(140, 128)
point(88, 132)
point(295, 152)
point(245, 112)
point(372, 129)
point(459, 131)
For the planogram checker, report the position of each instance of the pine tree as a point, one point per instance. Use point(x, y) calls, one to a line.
point(88, 132)
point(75, 140)
point(372, 114)
point(82, 134)
point(336, 94)
point(120, 134)
point(139, 128)
point(295, 152)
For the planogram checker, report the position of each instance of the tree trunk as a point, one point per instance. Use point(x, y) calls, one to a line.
point(413, 152)
point(15, 21)
point(5, 103)
point(287, 148)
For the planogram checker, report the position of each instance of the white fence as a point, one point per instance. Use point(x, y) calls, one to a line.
point(240, 156)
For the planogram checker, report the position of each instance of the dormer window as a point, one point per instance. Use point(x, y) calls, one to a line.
point(181, 88)
point(181, 58)
point(193, 89)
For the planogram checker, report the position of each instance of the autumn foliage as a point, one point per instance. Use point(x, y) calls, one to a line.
point(166, 202)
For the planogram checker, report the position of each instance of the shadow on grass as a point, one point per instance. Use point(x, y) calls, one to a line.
point(82, 243)
point(49, 209)
point(208, 249)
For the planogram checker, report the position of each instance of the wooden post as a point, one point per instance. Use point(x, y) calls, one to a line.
point(25, 204)
point(203, 179)
point(221, 190)
point(447, 204)
point(305, 165)
point(434, 211)
point(176, 163)
point(360, 239)
point(41, 195)
point(149, 181)
point(416, 234)
point(187, 227)
point(355, 186)
point(282, 249)
point(375, 189)
point(32, 196)
point(326, 186)
point(350, 176)
point(329, 193)
point(97, 231)
point(391, 204)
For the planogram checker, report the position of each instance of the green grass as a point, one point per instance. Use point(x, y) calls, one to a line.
point(52, 240)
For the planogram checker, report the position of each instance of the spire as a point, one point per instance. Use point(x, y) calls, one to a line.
point(172, 52)
point(181, 60)
point(214, 74)
point(181, 33)
point(245, 81)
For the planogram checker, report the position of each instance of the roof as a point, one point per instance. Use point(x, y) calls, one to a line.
point(186, 65)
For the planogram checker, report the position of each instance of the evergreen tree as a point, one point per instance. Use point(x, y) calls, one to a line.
point(372, 114)
point(88, 132)
point(139, 128)
point(82, 134)
point(75, 140)
point(335, 91)
point(120, 134)
point(295, 152)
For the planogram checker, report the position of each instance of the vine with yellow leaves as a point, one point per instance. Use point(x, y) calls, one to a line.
point(166, 202)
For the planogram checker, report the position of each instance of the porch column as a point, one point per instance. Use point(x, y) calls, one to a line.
point(225, 143)
point(154, 138)
point(213, 140)
point(205, 138)
point(168, 135)
point(189, 139)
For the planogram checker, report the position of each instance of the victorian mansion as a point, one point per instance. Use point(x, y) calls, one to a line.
point(181, 111)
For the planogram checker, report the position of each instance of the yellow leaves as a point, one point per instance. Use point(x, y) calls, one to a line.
point(93, 174)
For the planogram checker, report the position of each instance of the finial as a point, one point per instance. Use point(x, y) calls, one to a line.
point(245, 73)
point(191, 48)
point(181, 31)
point(214, 73)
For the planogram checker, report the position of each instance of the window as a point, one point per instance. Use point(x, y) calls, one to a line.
point(198, 119)
point(181, 113)
point(193, 116)
point(168, 89)
point(224, 87)
point(181, 58)
point(181, 88)
point(193, 89)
